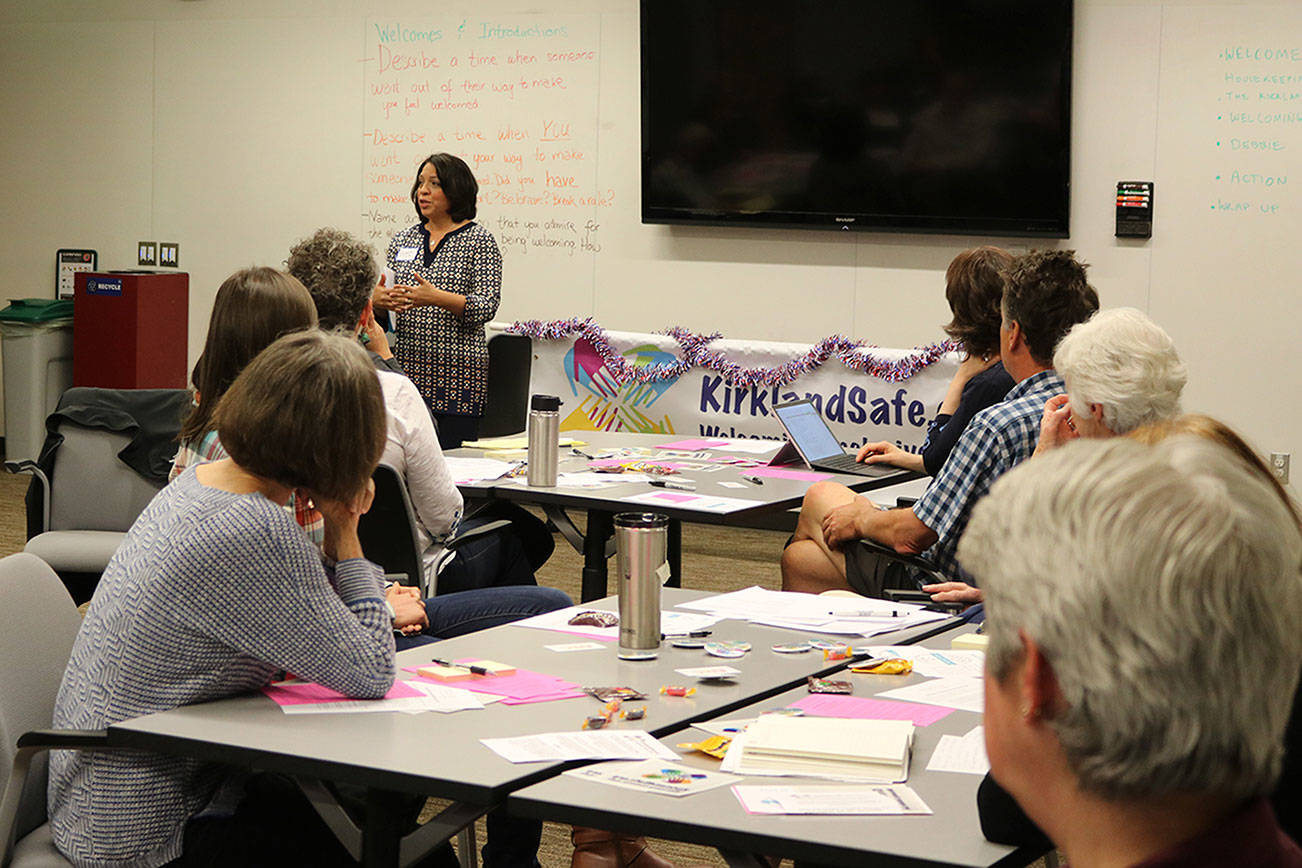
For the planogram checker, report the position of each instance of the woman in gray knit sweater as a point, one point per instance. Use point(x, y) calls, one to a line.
point(214, 592)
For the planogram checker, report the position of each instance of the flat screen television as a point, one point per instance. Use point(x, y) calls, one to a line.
point(893, 115)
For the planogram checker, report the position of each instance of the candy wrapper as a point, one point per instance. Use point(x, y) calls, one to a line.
point(892, 666)
point(715, 746)
point(606, 694)
point(828, 685)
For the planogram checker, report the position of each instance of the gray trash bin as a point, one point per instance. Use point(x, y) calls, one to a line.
point(36, 342)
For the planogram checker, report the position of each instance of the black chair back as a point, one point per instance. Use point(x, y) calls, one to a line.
point(388, 529)
point(510, 359)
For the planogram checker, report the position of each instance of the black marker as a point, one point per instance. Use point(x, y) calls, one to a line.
point(477, 670)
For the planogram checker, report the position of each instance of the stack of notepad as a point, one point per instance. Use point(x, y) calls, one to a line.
point(860, 750)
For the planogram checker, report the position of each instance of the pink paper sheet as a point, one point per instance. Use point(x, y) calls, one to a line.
point(839, 705)
point(670, 497)
point(523, 686)
point(692, 445)
point(307, 693)
point(783, 473)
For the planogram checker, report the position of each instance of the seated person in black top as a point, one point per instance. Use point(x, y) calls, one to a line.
point(1142, 605)
point(974, 286)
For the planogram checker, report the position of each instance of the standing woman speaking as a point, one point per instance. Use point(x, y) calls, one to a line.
point(448, 282)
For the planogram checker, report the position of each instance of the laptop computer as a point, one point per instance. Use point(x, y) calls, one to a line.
point(816, 443)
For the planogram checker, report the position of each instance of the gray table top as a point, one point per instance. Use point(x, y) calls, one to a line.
point(951, 836)
point(440, 754)
point(773, 494)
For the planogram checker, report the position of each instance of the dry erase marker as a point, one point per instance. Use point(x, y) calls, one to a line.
point(753, 479)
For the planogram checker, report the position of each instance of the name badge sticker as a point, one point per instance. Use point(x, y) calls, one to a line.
point(405, 254)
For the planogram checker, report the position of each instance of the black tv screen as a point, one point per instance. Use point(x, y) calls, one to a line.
point(898, 115)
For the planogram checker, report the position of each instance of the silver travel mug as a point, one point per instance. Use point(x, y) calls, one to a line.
point(642, 561)
point(544, 439)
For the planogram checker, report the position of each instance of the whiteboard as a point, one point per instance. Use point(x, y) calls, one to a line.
point(237, 128)
point(515, 96)
point(1227, 280)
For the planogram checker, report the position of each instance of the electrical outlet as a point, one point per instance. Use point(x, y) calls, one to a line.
point(147, 253)
point(1279, 466)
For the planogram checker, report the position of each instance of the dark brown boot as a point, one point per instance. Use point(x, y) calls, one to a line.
point(597, 848)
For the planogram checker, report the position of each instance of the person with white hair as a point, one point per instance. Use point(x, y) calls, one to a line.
point(1121, 370)
point(1142, 605)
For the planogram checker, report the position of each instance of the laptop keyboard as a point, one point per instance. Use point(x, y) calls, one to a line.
point(844, 460)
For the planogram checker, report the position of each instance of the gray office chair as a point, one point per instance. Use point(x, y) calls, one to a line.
point(38, 622)
point(90, 499)
point(388, 533)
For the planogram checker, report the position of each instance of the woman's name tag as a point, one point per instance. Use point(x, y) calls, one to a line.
point(405, 254)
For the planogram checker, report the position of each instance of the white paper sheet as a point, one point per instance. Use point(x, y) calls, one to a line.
point(475, 469)
point(691, 500)
point(965, 694)
point(749, 446)
point(588, 479)
point(937, 664)
point(577, 646)
point(961, 753)
point(709, 672)
point(654, 776)
point(846, 616)
point(437, 698)
point(598, 744)
point(856, 799)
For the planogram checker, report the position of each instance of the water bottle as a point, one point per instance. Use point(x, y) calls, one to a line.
point(642, 561)
point(544, 440)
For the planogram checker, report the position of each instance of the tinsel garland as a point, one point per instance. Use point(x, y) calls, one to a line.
point(696, 353)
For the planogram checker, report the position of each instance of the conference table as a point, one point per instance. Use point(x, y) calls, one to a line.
point(393, 755)
point(751, 505)
point(951, 836)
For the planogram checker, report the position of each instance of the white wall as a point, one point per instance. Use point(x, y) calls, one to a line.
point(235, 127)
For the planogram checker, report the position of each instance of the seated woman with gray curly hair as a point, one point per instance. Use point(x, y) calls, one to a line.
point(1142, 606)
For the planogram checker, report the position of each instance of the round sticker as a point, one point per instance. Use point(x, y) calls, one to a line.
point(687, 642)
point(723, 649)
point(793, 648)
point(824, 645)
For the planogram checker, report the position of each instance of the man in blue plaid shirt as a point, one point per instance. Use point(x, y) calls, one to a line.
point(1045, 294)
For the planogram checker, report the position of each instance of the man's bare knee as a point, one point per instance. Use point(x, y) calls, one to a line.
point(820, 499)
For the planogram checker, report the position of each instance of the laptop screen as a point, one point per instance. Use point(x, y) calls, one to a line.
point(806, 426)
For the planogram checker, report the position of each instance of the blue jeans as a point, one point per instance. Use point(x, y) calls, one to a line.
point(467, 611)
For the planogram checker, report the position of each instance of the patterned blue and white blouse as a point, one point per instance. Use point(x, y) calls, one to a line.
point(444, 355)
